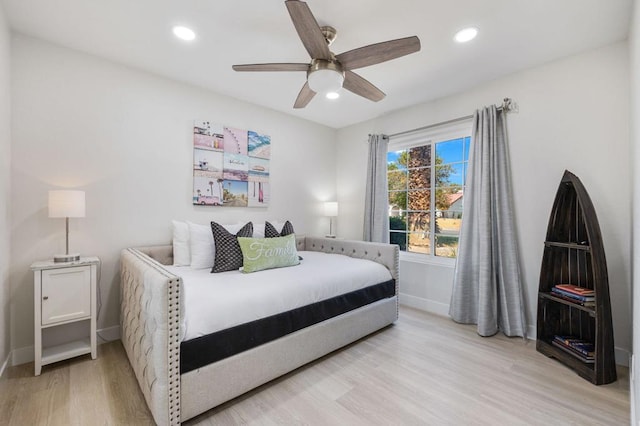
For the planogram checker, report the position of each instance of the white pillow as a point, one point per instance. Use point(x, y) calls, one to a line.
point(181, 250)
point(258, 230)
point(201, 243)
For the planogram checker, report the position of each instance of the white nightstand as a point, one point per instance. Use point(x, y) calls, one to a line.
point(64, 293)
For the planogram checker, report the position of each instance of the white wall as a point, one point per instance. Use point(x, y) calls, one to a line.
point(125, 137)
point(5, 158)
point(634, 51)
point(573, 115)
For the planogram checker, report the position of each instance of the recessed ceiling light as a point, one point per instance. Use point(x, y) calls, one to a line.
point(184, 33)
point(332, 95)
point(466, 35)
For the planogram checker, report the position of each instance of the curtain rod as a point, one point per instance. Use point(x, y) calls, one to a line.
point(507, 105)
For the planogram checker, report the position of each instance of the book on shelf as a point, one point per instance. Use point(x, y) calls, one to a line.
point(586, 304)
point(559, 291)
point(580, 291)
point(581, 346)
point(578, 355)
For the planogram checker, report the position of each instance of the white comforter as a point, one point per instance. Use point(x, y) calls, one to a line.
point(214, 302)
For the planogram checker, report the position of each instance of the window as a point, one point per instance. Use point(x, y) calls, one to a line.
point(426, 176)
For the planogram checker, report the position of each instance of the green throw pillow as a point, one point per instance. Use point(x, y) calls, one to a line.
point(268, 253)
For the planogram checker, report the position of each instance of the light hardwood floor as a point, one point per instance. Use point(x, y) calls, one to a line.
point(424, 369)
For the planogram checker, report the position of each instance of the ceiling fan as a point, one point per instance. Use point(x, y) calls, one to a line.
point(328, 73)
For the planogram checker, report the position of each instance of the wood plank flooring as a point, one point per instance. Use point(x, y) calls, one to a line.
point(424, 369)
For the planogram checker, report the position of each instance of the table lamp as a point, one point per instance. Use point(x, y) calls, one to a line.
point(331, 210)
point(66, 203)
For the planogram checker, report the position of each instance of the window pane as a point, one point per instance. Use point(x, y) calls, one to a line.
point(446, 246)
point(449, 198)
point(420, 178)
point(467, 146)
point(449, 174)
point(398, 222)
point(399, 238)
point(449, 223)
point(420, 156)
point(450, 151)
point(419, 200)
point(418, 222)
point(397, 201)
point(456, 174)
point(397, 180)
point(419, 243)
point(397, 160)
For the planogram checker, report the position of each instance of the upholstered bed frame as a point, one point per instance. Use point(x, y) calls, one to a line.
point(151, 309)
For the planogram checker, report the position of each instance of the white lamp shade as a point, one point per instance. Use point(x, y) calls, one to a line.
point(325, 81)
point(66, 203)
point(331, 208)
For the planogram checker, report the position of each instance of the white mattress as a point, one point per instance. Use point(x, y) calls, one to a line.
point(214, 302)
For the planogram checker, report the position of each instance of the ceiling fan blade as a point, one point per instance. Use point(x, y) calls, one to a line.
point(271, 67)
point(358, 85)
point(379, 52)
point(304, 97)
point(308, 29)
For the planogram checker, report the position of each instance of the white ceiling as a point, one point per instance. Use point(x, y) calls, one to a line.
point(514, 35)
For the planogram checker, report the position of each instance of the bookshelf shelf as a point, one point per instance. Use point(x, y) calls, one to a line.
point(576, 246)
point(590, 310)
point(574, 254)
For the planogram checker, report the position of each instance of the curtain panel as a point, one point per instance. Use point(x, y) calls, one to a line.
point(376, 203)
point(487, 287)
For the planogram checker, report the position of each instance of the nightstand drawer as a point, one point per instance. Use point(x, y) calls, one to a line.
point(66, 294)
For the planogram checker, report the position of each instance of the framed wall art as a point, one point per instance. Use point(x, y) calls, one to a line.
point(230, 166)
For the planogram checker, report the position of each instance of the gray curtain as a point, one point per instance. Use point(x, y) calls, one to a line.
point(487, 287)
point(376, 202)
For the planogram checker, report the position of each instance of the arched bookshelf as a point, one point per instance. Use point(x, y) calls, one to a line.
point(574, 255)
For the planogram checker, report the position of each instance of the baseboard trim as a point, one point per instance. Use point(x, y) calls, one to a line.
point(633, 390)
point(622, 357)
point(426, 305)
point(5, 364)
point(24, 355)
point(531, 332)
point(108, 334)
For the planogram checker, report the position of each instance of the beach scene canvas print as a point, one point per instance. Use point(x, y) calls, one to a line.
point(207, 191)
point(236, 167)
point(235, 141)
point(230, 166)
point(258, 169)
point(259, 145)
point(207, 163)
point(208, 136)
point(258, 194)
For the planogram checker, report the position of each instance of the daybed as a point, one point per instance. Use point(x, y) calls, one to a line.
point(152, 315)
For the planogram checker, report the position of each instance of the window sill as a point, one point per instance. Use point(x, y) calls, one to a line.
point(427, 259)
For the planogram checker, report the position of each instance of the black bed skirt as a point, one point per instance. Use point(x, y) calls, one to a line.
point(201, 351)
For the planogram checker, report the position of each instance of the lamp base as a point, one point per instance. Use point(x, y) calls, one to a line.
point(65, 258)
point(329, 236)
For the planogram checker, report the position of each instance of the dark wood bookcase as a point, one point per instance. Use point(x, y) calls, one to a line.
point(574, 254)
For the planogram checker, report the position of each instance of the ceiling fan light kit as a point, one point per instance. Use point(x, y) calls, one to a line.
point(327, 73)
point(325, 77)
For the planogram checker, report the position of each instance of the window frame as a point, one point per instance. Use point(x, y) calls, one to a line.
point(431, 135)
